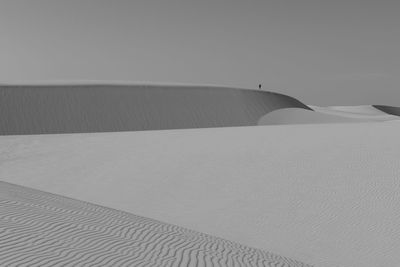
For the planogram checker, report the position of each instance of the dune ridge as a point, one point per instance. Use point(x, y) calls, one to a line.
point(301, 116)
point(332, 114)
point(388, 109)
point(45, 109)
point(43, 229)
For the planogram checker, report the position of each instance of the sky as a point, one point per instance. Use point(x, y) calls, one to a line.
point(342, 52)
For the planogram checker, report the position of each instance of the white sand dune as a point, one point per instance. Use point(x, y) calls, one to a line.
point(45, 109)
point(323, 194)
point(302, 116)
point(334, 114)
point(41, 229)
point(388, 109)
point(359, 110)
point(364, 112)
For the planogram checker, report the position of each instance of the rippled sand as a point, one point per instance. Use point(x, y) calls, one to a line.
point(42, 229)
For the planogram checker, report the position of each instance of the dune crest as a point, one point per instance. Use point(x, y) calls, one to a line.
point(388, 109)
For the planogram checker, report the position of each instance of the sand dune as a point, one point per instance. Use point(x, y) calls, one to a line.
point(41, 229)
point(365, 112)
point(389, 109)
point(355, 110)
point(302, 116)
point(333, 114)
point(105, 108)
point(323, 194)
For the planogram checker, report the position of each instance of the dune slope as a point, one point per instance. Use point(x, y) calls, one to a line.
point(389, 109)
point(105, 108)
point(362, 113)
point(42, 229)
point(301, 116)
point(332, 114)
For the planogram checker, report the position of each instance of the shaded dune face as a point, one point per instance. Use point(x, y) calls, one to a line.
point(42, 229)
point(388, 109)
point(108, 108)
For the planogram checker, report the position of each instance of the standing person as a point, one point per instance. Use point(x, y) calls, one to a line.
point(259, 86)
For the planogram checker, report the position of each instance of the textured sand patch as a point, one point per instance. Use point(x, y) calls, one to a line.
point(42, 229)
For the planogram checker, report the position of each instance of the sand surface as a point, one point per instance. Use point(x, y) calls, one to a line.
point(324, 194)
point(41, 229)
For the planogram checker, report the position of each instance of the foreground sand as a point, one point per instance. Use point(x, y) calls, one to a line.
point(41, 229)
point(325, 194)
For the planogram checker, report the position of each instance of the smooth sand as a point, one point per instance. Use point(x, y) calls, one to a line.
point(302, 116)
point(324, 194)
point(334, 114)
point(364, 112)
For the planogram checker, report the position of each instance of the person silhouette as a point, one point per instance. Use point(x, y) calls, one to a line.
point(259, 86)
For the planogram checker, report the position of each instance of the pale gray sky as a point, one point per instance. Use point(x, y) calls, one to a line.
point(340, 52)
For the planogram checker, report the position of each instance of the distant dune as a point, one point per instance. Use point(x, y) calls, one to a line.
point(104, 108)
point(301, 116)
point(334, 114)
point(41, 229)
point(389, 109)
point(368, 112)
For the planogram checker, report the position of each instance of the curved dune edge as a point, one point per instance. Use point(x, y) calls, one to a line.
point(388, 109)
point(359, 112)
point(42, 229)
point(51, 109)
point(301, 116)
point(333, 114)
